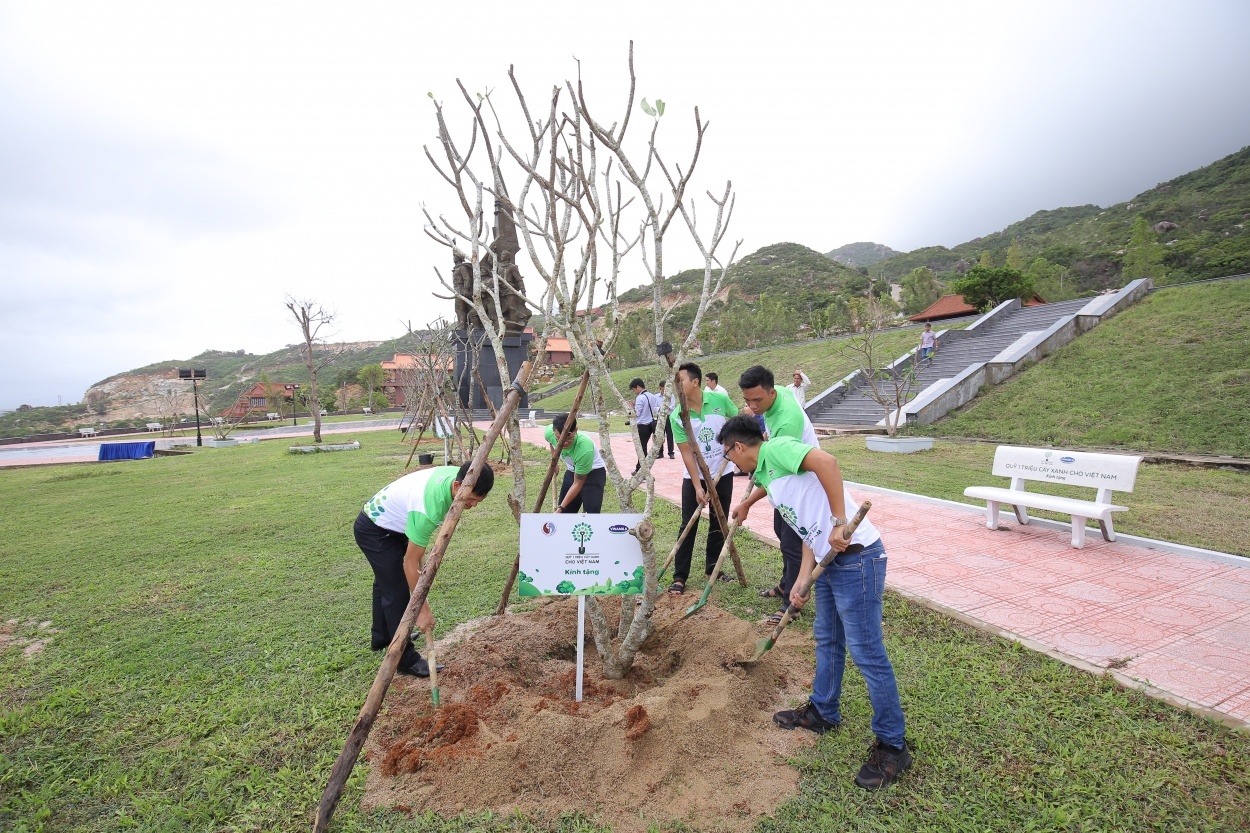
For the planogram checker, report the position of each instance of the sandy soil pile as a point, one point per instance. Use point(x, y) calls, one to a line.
point(687, 735)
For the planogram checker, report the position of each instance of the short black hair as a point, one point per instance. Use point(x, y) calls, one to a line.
point(692, 371)
point(637, 383)
point(663, 382)
point(558, 424)
point(485, 479)
point(743, 429)
point(713, 377)
point(756, 377)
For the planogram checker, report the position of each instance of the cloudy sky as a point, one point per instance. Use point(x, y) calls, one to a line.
point(169, 171)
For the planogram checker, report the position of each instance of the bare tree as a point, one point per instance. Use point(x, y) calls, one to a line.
point(888, 383)
point(579, 218)
point(314, 322)
point(169, 400)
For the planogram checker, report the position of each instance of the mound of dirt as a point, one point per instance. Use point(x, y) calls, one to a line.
point(687, 735)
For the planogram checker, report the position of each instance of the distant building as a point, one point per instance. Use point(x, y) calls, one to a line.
point(257, 399)
point(953, 306)
point(394, 370)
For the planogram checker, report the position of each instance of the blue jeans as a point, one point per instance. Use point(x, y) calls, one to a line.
point(848, 617)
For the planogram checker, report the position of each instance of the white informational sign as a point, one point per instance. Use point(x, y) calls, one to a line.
point(579, 555)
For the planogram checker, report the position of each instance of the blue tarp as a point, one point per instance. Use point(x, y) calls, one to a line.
point(127, 451)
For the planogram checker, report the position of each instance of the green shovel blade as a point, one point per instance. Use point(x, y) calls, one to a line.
point(761, 647)
point(707, 591)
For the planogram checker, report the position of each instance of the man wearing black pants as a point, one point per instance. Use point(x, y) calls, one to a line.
point(708, 411)
point(393, 532)
point(585, 476)
point(645, 409)
point(667, 429)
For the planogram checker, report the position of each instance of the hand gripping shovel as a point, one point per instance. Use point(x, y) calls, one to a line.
point(429, 657)
point(711, 580)
point(762, 645)
point(694, 519)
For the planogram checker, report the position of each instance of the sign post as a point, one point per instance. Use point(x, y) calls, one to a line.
point(579, 555)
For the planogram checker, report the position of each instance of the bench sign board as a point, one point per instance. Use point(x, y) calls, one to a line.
point(1073, 468)
point(579, 555)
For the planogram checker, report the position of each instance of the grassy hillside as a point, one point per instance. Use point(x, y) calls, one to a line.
point(820, 361)
point(1209, 208)
point(1171, 373)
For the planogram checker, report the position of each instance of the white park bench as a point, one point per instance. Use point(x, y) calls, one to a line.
point(324, 412)
point(367, 410)
point(531, 421)
point(153, 426)
point(1105, 472)
point(87, 432)
point(273, 417)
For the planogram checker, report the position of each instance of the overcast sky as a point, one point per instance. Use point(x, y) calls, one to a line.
point(169, 171)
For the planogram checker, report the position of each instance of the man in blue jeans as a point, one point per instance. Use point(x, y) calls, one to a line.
point(805, 485)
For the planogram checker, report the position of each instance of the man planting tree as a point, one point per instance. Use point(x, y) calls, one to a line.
point(393, 531)
point(805, 485)
point(708, 413)
point(586, 474)
point(782, 418)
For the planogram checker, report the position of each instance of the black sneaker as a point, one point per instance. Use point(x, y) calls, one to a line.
point(883, 766)
point(804, 717)
point(420, 668)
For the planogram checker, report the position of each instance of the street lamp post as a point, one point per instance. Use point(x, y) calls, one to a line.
point(195, 375)
point(294, 396)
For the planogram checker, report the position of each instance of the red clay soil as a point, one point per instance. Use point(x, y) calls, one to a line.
point(687, 735)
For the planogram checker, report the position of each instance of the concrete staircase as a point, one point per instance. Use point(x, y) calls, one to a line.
point(845, 405)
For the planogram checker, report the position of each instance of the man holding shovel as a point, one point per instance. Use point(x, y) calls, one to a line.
point(805, 485)
point(393, 532)
point(708, 413)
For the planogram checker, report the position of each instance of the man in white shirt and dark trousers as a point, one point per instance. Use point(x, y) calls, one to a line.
point(672, 406)
point(928, 344)
point(645, 409)
point(714, 385)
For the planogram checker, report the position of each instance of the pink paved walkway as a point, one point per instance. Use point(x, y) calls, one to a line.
point(1179, 624)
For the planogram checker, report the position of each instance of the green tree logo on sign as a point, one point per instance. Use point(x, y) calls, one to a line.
point(706, 435)
point(581, 534)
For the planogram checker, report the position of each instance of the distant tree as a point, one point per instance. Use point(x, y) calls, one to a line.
point(881, 288)
point(987, 288)
point(1144, 253)
point(371, 376)
point(987, 262)
point(920, 290)
point(1015, 257)
point(1050, 280)
point(312, 319)
point(342, 379)
point(328, 397)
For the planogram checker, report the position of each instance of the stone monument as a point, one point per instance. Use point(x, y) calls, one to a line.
point(470, 334)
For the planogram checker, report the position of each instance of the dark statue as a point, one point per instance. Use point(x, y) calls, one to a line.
point(504, 250)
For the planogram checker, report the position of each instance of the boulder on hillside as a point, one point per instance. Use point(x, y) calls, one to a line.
point(1164, 226)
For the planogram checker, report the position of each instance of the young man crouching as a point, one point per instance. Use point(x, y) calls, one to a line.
point(805, 485)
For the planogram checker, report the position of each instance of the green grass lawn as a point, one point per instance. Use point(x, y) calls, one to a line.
point(1171, 373)
point(1200, 507)
point(212, 650)
point(820, 360)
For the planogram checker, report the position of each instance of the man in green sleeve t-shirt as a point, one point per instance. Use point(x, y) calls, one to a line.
point(708, 412)
point(805, 485)
point(393, 531)
point(782, 417)
point(586, 475)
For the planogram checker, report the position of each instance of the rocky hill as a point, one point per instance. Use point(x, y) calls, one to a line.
point(1197, 220)
point(861, 254)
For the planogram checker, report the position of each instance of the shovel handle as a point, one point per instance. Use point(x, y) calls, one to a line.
point(429, 657)
point(694, 519)
point(806, 590)
point(720, 560)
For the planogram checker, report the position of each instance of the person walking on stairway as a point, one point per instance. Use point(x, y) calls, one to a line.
point(393, 531)
point(708, 412)
point(585, 475)
point(928, 345)
point(782, 417)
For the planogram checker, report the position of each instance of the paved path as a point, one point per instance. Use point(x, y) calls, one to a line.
point(1178, 624)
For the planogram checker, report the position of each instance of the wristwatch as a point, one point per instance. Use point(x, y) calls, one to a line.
point(837, 522)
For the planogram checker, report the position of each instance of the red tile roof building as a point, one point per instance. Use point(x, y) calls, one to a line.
point(953, 306)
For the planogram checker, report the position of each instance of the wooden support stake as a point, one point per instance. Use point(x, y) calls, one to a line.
point(428, 420)
point(373, 703)
point(542, 493)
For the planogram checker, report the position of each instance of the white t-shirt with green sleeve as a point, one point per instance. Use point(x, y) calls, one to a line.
point(800, 498)
point(415, 504)
point(706, 424)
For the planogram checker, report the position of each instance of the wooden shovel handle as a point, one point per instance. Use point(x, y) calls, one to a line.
point(806, 590)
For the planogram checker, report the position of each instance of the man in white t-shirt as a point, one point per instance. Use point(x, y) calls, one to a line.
point(928, 344)
point(799, 388)
point(714, 385)
point(805, 485)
